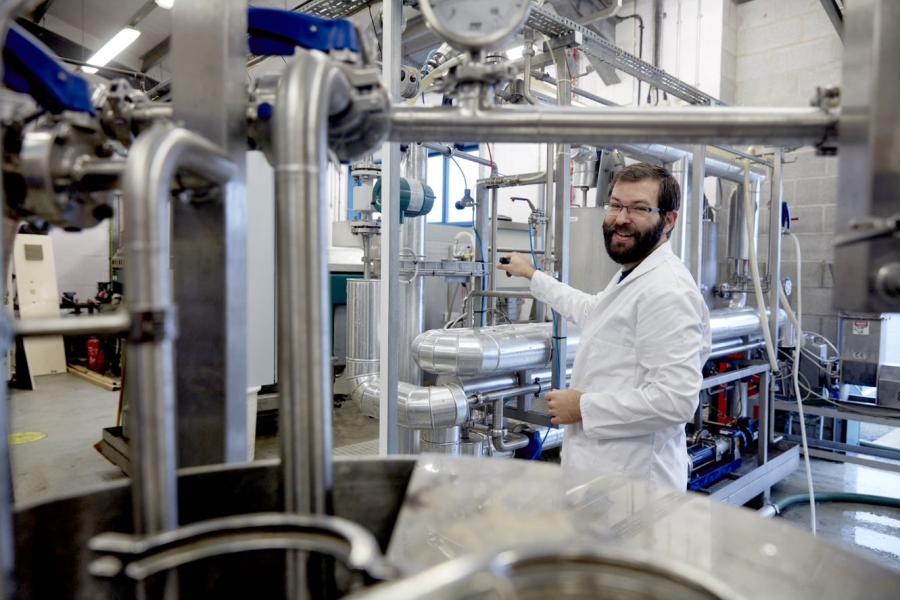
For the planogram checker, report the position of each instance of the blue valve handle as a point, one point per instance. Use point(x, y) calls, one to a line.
point(276, 32)
point(31, 68)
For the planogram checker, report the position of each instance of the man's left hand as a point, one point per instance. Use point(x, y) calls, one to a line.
point(565, 406)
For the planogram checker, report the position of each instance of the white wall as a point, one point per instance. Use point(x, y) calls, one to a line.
point(783, 51)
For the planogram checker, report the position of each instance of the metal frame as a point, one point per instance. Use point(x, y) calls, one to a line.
point(843, 452)
point(760, 480)
point(209, 239)
point(388, 432)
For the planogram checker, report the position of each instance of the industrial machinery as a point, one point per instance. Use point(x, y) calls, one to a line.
point(311, 526)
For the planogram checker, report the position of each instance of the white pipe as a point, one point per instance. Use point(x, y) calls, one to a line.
point(795, 375)
point(754, 273)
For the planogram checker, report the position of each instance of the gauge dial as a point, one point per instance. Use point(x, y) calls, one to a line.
point(475, 24)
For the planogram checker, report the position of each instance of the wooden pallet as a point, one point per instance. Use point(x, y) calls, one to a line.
point(112, 384)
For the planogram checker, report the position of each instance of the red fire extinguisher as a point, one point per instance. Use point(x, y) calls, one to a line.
point(96, 356)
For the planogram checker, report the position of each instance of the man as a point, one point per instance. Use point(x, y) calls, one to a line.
point(644, 339)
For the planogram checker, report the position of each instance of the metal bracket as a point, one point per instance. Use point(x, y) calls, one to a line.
point(152, 325)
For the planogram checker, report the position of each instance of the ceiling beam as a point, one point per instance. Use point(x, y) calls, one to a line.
point(835, 15)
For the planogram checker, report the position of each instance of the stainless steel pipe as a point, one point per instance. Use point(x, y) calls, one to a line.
point(111, 323)
point(310, 90)
point(694, 125)
point(153, 161)
point(449, 151)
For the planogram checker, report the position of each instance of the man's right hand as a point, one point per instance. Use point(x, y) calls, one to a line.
point(518, 265)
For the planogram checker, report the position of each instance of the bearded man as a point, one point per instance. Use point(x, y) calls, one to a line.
point(644, 340)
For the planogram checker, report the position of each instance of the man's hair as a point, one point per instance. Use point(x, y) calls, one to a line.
point(669, 191)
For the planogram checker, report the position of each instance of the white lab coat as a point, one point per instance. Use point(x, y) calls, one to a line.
point(643, 344)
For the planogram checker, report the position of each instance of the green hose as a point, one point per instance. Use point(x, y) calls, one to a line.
point(822, 497)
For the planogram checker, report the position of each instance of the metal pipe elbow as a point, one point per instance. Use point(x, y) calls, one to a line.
point(418, 407)
point(432, 407)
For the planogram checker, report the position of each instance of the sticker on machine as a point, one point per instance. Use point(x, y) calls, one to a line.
point(860, 328)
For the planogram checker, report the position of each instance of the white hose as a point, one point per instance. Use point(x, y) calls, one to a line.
point(749, 212)
point(796, 319)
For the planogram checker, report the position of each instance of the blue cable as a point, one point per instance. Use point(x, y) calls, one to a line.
point(540, 447)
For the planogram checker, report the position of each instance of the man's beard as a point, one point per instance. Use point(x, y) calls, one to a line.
point(643, 242)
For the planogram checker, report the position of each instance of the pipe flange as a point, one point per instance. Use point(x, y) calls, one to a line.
point(149, 326)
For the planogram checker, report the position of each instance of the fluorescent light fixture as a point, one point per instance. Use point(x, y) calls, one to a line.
point(111, 49)
point(166, 4)
point(515, 53)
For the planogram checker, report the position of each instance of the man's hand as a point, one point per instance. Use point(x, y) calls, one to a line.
point(565, 406)
point(518, 265)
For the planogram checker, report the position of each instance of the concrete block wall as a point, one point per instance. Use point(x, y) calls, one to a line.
point(783, 50)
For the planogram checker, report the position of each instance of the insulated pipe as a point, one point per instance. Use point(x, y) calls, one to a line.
point(500, 349)
point(418, 407)
point(694, 125)
point(153, 161)
point(719, 163)
point(310, 90)
point(487, 350)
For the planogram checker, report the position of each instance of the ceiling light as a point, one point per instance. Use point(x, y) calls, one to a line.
point(166, 4)
point(111, 49)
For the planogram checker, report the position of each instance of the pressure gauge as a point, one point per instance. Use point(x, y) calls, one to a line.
point(475, 24)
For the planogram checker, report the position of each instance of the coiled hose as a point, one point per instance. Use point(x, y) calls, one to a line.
point(778, 508)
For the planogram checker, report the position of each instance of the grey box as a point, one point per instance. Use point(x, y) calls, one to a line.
point(889, 386)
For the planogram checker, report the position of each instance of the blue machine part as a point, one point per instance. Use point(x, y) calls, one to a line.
point(709, 478)
point(29, 67)
point(533, 450)
point(785, 216)
point(276, 32)
point(700, 455)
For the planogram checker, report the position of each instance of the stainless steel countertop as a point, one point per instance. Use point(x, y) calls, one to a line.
point(458, 506)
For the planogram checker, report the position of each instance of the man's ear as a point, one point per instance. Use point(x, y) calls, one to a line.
point(671, 217)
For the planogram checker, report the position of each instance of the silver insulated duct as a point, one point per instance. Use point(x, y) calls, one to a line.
point(487, 350)
point(510, 348)
point(419, 407)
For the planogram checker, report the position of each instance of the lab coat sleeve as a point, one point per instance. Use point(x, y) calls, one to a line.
point(574, 305)
point(670, 346)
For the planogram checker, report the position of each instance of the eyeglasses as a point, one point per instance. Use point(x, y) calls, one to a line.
point(614, 208)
